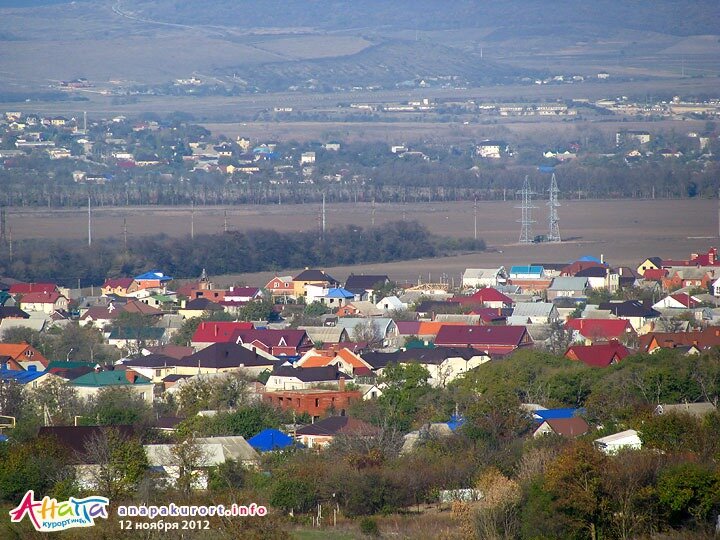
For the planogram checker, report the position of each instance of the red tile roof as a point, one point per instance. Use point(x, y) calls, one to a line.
point(598, 355)
point(655, 275)
point(218, 331)
point(488, 294)
point(113, 283)
point(686, 300)
point(40, 297)
point(27, 288)
point(600, 329)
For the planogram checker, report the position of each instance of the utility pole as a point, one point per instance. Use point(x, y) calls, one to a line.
point(125, 233)
point(225, 223)
point(372, 218)
point(324, 221)
point(192, 219)
point(475, 219)
point(89, 223)
point(3, 225)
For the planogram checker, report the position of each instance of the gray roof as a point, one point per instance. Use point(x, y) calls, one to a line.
point(483, 273)
point(349, 323)
point(568, 284)
point(696, 409)
point(324, 334)
point(466, 319)
point(533, 309)
point(37, 324)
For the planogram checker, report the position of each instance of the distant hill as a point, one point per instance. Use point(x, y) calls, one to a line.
point(665, 16)
point(388, 63)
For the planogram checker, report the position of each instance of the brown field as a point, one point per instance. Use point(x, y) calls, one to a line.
point(624, 231)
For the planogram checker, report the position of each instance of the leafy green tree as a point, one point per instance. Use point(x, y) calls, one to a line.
point(263, 310)
point(58, 398)
point(117, 406)
point(405, 386)
point(689, 491)
point(316, 309)
point(34, 464)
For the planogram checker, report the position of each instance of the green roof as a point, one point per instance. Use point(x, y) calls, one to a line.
point(107, 378)
point(162, 298)
point(145, 332)
point(72, 364)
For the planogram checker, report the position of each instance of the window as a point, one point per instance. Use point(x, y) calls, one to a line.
point(317, 402)
point(158, 372)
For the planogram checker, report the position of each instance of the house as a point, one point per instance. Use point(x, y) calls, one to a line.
point(689, 277)
point(100, 316)
point(22, 356)
point(487, 296)
point(359, 308)
point(391, 303)
point(287, 377)
point(492, 149)
point(678, 301)
point(281, 286)
point(598, 355)
point(243, 294)
point(651, 263)
point(154, 279)
point(568, 287)
point(490, 339)
point(209, 332)
point(213, 451)
point(632, 136)
point(43, 302)
point(484, 277)
point(287, 342)
point(382, 329)
point(445, 364)
point(336, 297)
point(701, 339)
point(20, 288)
point(134, 338)
point(526, 272)
point(599, 330)
point(631, 310)
point(534, 313)
point(322, 433)
point(314, 402)
point(565, 427)
point(624, 440)
point(198, 308)
point(91, 383)
point(119, 286)
point(325, 334)
point(694, 409)
point(362, 286)
point(599, 277)
point(224, 357)
point(312, 277)
point(152, 366)
point(12, 312)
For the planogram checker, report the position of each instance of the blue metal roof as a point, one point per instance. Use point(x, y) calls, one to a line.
point(153, 274)
point(21, 377)
point(270, 439)
point(526, 270)
point(590, 258)
point(455, 422)
point(339, 292)
point(552, 414)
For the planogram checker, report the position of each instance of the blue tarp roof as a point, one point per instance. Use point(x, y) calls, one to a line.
point(3, 438)
point(526, 270)
point(546, 169)
point(270, 439)
point(455, 422)
point(552, 414)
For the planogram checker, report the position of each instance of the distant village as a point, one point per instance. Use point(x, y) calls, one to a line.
point(139, 154)
point(325, 344)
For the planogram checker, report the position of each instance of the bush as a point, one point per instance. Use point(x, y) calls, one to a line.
point(369, 527)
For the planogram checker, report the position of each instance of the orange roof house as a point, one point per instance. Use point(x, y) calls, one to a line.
point(21, 355)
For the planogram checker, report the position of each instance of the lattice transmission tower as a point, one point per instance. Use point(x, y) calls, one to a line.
point(526, 221)
point(553, 219)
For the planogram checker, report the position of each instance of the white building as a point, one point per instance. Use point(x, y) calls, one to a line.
point(624, 440)
point(484, 277)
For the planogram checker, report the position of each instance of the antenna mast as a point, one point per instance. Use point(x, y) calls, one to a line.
point(192, 219)
point(553, 219)
point(225, 223)
point(3, 225)
point(526, 221)
point(125, 233)
point(323, 217)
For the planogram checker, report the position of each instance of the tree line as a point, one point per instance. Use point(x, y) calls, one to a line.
point(229, 253)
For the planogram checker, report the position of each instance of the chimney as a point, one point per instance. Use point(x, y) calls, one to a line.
point(130, 375)
point(341, 384)
point(216, 330)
